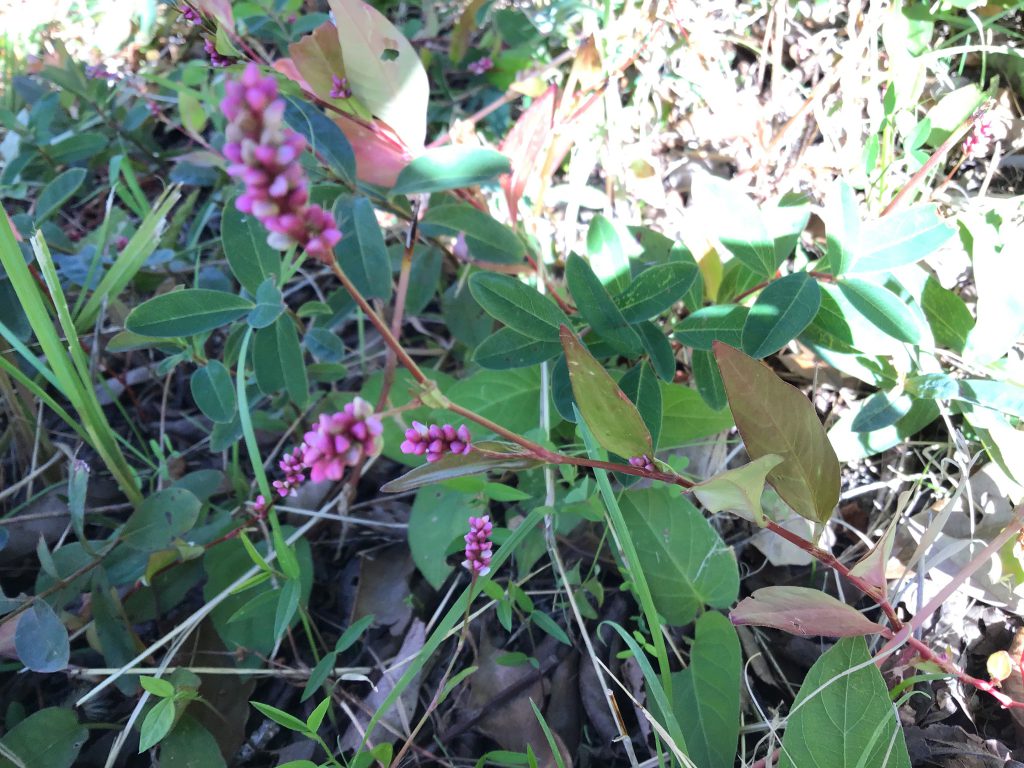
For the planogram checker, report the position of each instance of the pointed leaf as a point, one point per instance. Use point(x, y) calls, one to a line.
point(608, 413)
point(325, 136)
point(486, 456)
point(656, 289)
point(871, 567)
point(160, 518)
point(948, 317)
point(607, 246)
point(186, 313)
point(269, 305)
point(881, 410)
point(597, 307)
point(518, 306)
point(362, 252)
point(706, 695)
point(843, 716)
point(486, 238)
point(685, 560)
point(802, 611)
point(843, 237)
point(58, 192)
point(383, 69)
point(780, 314)
point(450, 167)
point(708, 379)
point(775, 418)
point(902, 237)
point(738, 490)
point(737, 222)
point(50, 737)
point(525, 141)
point(719, 322)
point(245, 245)
point(883, 308)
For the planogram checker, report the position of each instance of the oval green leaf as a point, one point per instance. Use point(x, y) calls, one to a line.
point(214, 392)
point(720, 322)
point(518, 306)
point(598, 309)
point(450, 167)
point(882, 308)
point(656, 289)
point(780, 314)
point(186, 313)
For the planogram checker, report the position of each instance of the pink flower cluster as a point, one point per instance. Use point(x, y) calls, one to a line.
point(478, 546)
point(294, 471)
point(979, 141)
point(480, 66)
point(339, 88)
point(341, 440)
point(435, 441)
point(264, 154)
point(642, 462)
point(217, 59)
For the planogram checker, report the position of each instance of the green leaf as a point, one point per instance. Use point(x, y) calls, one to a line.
point(324, 136)
point(437, 518)
point(597, 307)
point(902, 237)
point(1002, 396)
point(831, 326)
point(486, 238)
point(508, 398)
point(41, 640)
point(49, 738)
point(736, 221)
point(316, 717)
point(319, 674)
point(883, 308)
point(852, 446)
point(186, 313)
point(641, 386)
point(719, 322)
point(802, 611)
point(843, 231)
point(775, 417)
point(686, 417)
point(842, 717)
point(486, 456)
point(948, 317)
point(609, 414)
point(708, 379)
point(451, 167)
point(518, 306)
point(158, 722)
point(278, 362)
point(656, 289)
point(157, 686)
point(290, 722)
point(950, 111)
point(190, 745)
point(549, 626)
point(686, 562)
point(287, 605)
point(245, 246)
point(706, 695)
point(58, 192)
point(214, 392)
point(781, 312)
point(881, 410)
point(383, 69)
point(738, 490)
point(269, 305)
point(506, 349)
point(160, 518)
point(362, 252)
point(607, 250)
point(76, 148)
point(658, 349)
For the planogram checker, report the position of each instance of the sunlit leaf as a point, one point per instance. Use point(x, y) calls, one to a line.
point(443, 168)
point(738, 490)
point(780, 314)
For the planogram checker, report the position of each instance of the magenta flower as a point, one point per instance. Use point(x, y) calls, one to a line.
point(341, 440)
point(642, 462)
point(294, 471)
point(190, 14)
point(478, 546)
point(339, 88)
point(435, 441)
point(217, 59)
point(260, 505)
point(480, 66)
point(264, 154)
point(979, 141)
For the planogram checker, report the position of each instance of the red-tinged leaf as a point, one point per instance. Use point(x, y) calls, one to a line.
point(383, 69)
point(217, 9)
point(611, 416)
point(486, 455)
point(775, 417)
point(317, 57)
point(524, 145)
point(738, 490)
point(380, 155)
point(871, 567)
point(802, 611)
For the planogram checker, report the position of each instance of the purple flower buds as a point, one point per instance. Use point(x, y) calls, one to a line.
point(435, 441)
point(480, 66)
point(339, 88)
point(216, 59)
point(294, 471)
point(190, 14)
point(478, 546)
point(264, 155)
point(642, 462)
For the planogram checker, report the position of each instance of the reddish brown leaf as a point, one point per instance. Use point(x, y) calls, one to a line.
point(524, 145)
point(802, 611)
point(775, 417)
point(317, 57)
